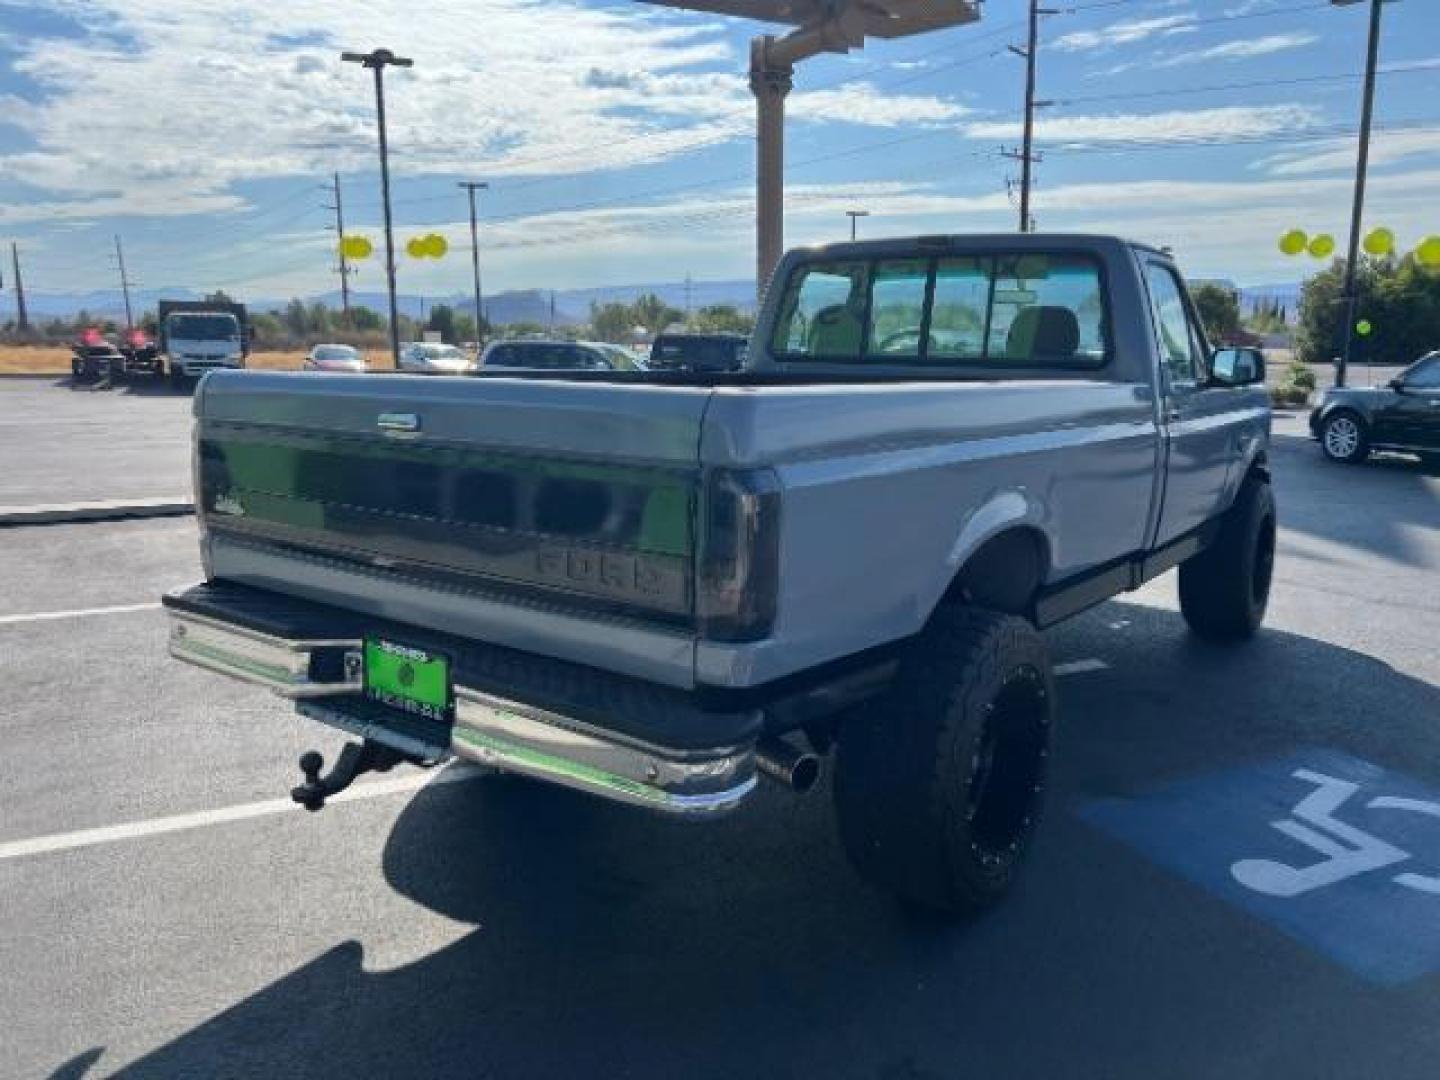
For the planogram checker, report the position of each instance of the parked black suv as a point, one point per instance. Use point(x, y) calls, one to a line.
point(698, 352)
point(1403, 415)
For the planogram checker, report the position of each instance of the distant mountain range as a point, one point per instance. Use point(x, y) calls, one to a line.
point(571, 306)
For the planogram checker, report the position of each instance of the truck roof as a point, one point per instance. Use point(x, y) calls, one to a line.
point(1008, 241)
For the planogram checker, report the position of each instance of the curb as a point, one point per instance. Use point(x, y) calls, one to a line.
point(62, 513)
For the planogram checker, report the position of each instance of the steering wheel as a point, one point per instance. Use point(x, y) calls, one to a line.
point(899, 336)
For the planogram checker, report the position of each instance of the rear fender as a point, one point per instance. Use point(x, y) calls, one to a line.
point(1003, 512)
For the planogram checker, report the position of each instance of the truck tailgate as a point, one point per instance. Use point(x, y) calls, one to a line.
point(516, 511)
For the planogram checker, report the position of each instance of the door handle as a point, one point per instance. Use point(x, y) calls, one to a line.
point(1172, 415)
point(398, 423)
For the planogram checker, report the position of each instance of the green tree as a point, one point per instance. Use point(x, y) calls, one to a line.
point(1320, 336)
point(442, 319)
point(611, 322)
point(268, 330)
point(297, 319)
point(1219, 310)
point(722, 319)
point(366, 319)
point(654, 314)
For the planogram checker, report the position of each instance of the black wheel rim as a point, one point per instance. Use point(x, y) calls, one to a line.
point(1007, 769)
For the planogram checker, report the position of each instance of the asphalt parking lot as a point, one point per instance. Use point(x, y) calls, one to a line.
point(167, 913)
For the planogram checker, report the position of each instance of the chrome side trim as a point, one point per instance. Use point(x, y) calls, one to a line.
point(279, 664)
point(520, 738)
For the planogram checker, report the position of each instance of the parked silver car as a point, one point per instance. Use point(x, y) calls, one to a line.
point(335, 358)
point(433, 358)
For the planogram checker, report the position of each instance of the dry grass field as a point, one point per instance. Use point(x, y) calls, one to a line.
point(55, 360)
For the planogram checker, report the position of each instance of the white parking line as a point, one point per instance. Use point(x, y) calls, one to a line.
point(1080, 667)
point(136, 830)
point(78, 613)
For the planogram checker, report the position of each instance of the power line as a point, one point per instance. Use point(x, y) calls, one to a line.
point(1300, 80)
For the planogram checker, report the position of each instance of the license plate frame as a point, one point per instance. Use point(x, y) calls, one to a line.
point(415, 681)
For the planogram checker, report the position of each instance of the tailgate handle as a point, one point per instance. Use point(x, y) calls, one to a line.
point(398, 423)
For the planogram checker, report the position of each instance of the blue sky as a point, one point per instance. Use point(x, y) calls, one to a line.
point(617, 136)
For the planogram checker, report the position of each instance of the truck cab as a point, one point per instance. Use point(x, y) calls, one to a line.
point(201, 336)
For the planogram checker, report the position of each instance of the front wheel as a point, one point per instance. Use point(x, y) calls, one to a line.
point(938, 782)
point(1225, 589)
point(1343, 438)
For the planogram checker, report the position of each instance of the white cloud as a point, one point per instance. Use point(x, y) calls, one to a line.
point(1237, 121)
point(1125, 32)
point(1239, 49)
point(168, 103)
point(1338, 155)
point(862, 103)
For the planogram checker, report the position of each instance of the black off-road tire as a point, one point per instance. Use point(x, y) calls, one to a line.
point(1344, 437)
point(1224, 590)
point(939, 781)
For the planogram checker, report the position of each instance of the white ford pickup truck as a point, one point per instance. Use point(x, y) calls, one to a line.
point(661, 587)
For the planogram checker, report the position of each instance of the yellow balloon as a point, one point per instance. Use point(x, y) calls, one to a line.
point(356, 247)
point(435, 246)
point(415, 247)
point(1379, 242)
point(1322, 246)
point(1427, 253)
point(1294, 242)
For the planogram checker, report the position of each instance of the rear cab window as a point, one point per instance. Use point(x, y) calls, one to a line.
point(998, 310)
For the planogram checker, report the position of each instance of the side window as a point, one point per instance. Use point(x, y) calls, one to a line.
point(1425, 376)
point(1179, 343)
point(897, 308)
point(823, 312)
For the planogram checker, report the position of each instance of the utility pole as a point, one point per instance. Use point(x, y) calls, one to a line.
point(687, 295)
point(854, 216)
point(124, 284)
point(472, 186)
point(377, 61)
point(340, 244)
point(1362, 164)
point(1027, 152)
point(22, 320)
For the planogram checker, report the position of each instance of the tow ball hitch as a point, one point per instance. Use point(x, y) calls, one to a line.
point(355, 759)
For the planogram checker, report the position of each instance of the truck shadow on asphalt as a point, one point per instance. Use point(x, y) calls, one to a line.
point(129, 387)
point(607, 942)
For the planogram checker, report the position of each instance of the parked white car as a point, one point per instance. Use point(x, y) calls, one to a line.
point(433, 358)
point(335, 358)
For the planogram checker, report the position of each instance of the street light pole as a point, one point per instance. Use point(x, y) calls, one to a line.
point(472, 186)
point(855, 215)
point(377, 61)
point(1362, 164)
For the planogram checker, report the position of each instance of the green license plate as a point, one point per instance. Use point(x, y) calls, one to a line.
point(409, 679)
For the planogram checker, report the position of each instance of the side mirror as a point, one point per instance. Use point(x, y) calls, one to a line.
point(1398, 385)
point(1237, 367)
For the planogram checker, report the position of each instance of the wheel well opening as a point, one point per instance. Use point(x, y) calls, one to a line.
point(1004, 573)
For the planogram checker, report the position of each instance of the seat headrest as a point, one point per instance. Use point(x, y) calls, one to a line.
point(1042, 332)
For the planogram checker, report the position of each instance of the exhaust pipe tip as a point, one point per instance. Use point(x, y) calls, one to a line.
point(799, 770)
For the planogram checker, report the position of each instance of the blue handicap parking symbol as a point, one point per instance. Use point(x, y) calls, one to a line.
point(1338, 853)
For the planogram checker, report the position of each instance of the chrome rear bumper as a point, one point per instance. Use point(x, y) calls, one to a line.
point(508, 735)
